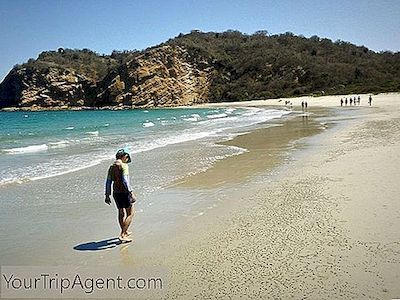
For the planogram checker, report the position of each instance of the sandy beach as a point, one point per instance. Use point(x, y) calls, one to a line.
point(323, 225)
point(309, 210)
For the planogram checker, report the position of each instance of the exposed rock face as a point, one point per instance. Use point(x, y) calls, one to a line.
point(51, 87)
point(11, 89)
point(164, 76)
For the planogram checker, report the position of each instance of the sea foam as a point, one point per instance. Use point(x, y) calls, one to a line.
point(148, 124)
point(27, 149)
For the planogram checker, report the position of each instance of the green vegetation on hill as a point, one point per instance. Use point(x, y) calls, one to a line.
point(263, 66)
point(84, 62)
point(234, 66)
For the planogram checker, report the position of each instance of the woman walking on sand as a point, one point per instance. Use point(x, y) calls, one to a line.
point(118, 174)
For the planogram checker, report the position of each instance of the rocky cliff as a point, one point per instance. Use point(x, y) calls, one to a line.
point(163, 76)
point(25, 87)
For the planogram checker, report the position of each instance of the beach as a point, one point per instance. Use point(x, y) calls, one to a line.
point(323, 226)
point(301, 207)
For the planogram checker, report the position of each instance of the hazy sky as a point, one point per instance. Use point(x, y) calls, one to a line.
point(28, 27)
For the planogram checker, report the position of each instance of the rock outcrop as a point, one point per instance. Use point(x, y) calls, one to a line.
point(51, 87)
point(164, 76)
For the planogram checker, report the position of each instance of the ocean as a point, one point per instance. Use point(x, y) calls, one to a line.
point(37, 145)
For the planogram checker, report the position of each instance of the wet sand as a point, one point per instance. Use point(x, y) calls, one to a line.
point(266, 147)
point(325, 225)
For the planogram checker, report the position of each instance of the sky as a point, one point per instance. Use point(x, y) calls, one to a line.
point(28, 27)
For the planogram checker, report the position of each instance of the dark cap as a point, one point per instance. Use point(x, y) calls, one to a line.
point(122, 153)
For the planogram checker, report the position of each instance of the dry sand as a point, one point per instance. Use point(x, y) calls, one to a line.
point(325, 225)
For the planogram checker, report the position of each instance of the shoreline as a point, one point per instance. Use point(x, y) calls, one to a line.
point(266, 147)
point(151, 226)
point(313, 228)
point(51, 200)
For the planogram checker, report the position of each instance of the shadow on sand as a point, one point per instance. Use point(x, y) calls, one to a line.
point(101, 245)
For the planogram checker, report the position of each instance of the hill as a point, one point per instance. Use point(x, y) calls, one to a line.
point(201, 67)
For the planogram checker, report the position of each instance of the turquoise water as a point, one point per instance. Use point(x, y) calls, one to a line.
point(36, 145)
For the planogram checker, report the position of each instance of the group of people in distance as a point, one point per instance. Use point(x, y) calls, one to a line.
point(354, 101)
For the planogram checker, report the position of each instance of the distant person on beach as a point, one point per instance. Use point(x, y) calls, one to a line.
point(341, 101)
point(345, 101)
point(359, 100)
point(370, 100)
point(302, 105)
point(351, 101)
point(306, 104)
point(118, 174)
